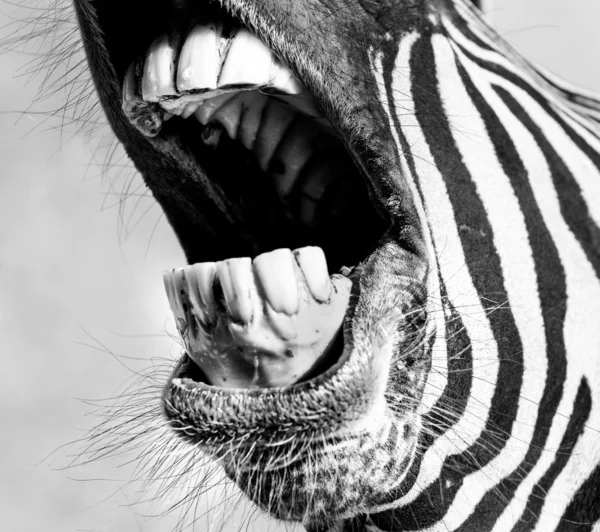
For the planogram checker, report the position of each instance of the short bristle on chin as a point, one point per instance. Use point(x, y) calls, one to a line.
point(261, 323)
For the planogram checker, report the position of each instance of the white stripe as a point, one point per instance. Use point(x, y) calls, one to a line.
point(438, 377)
point(581, 167)
point(513, 62)
point(584, 133)
point(459, 284)
point(511, 242)
point(578, 163)
point(560, 105)
point(567, 85)
point(581, 336)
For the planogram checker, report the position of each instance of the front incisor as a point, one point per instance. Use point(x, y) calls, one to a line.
point(199, 63)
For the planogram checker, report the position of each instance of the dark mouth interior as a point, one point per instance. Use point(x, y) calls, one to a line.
point(346, 225)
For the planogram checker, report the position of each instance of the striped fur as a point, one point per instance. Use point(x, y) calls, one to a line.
point(512, 157)
point(500, 163)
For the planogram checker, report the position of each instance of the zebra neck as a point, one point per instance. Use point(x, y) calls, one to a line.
point(504, 164)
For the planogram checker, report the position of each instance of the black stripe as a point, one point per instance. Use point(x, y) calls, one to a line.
point(553, 296)
point(573, 207)
point(535, 94)
point(484, 267)
point(454, 398)
point(584, 508)
point(464, 26)
point(456, 392)
point(579, 416)
point(450, 406)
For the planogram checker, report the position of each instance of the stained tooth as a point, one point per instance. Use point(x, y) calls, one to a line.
point(248, 62)
point(313, 264)
point(191, 281)
point(282, 79)
point(276, 274)
point(199, 60)
point(211, 135)
point(159, 70)
point(146, 117)
point(237, 282)
point(205, 273)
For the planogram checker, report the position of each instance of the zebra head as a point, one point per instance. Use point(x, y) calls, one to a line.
point(403, 144)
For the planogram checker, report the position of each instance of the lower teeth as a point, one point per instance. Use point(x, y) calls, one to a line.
point(267, 323)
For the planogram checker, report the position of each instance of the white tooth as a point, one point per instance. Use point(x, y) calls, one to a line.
point(248, 62)
point(159, 70)
point(168, 283)
point(199, 60)
point(313, 264)
point(191, 280)
point(211, 106)
point(146, 117)
point(282, 79)
point(173, 289)
point(235, 276)
point(131, 99)
point(276, 120)
point(205, 273)
point(276, 274)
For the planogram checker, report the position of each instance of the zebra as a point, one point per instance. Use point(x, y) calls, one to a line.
point(458, 389)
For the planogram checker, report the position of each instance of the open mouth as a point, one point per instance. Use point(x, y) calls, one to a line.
point(273, 317)
point(302, 309)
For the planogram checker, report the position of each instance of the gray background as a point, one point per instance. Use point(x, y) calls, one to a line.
point(80, 271)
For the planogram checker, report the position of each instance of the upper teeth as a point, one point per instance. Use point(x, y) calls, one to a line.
point(208, 64)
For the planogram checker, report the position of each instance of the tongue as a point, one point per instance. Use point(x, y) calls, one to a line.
point(270, 322)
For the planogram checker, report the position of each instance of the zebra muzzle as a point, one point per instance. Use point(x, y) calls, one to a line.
point(274, 320)
point(268, 322)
